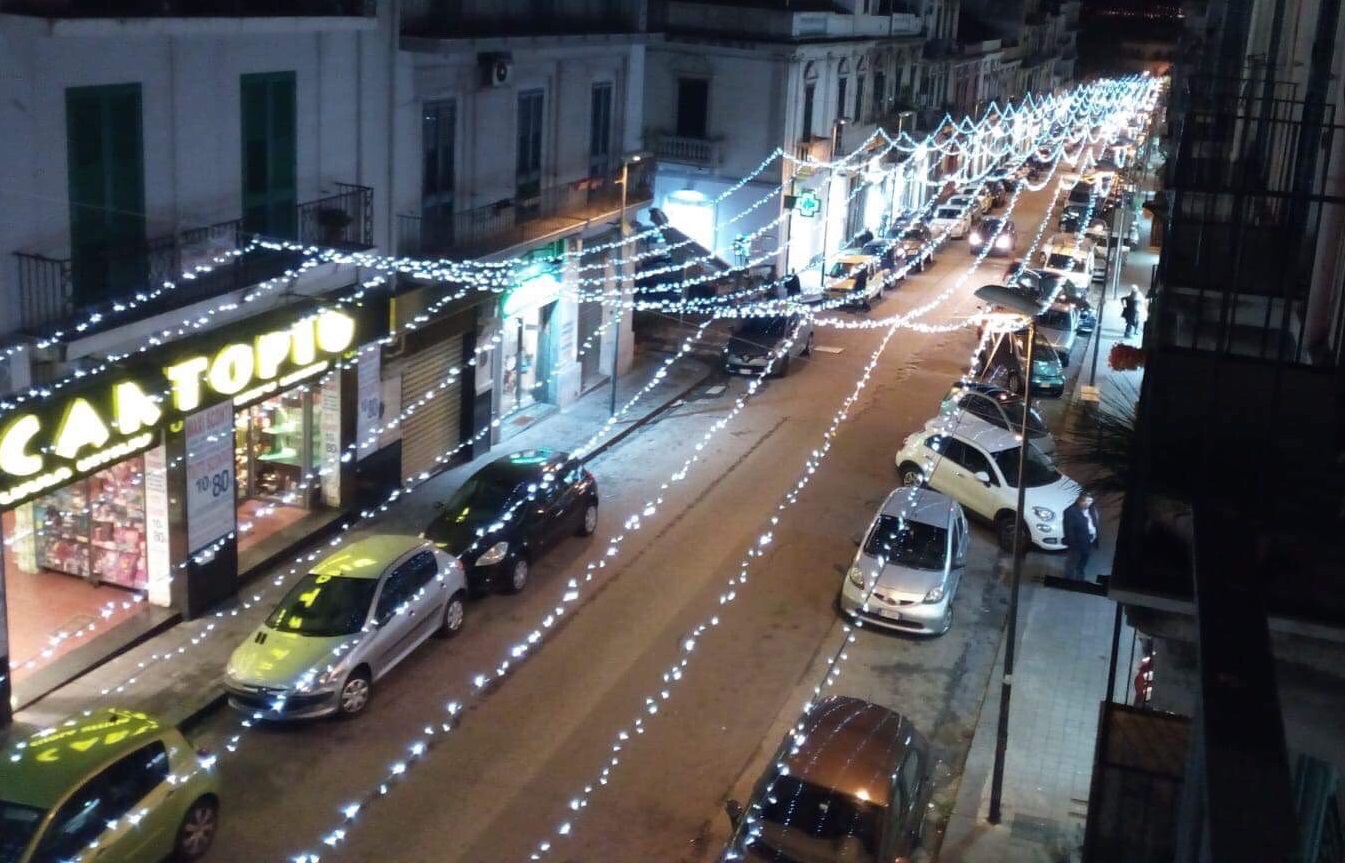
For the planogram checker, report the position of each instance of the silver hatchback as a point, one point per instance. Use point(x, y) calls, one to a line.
point(345, 624)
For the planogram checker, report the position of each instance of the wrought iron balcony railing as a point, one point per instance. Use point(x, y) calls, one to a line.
point(514, 221)
point(189, 8)
point(53, 289)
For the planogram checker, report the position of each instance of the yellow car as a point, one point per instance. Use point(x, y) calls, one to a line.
point(116, 786)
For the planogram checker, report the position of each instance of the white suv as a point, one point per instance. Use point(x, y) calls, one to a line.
point(978, 468)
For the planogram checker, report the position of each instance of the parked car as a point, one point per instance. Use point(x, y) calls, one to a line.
point(1057, 289)
point(989, 404)
point(755, 340)
point(973, 205)
point(123, 782)
point(891, 259)
point(1000, 185)
point(909, 564)
point(1005, 244)
point(1071, 259)
point(980, 471)
point(952, 220)
point(1102, 251)
point(1081, 192)
point(1004, 360)
point(917, 244)
point(852, 783)
point(1057, 327)
point(344, 625)
point(981, 192)
point(855, 279)
point(547, 494)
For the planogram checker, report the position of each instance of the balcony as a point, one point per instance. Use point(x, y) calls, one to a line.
point(189, 8)
point(479, 19)
point(52, 290)
point(700, 152)
point(776, 21)
point(514, 222)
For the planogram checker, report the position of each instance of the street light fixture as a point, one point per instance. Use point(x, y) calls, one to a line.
point(1028, 307)
point(626, 161)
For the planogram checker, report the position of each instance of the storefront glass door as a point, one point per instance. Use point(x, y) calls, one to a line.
point(273, 441)
point(519, 359)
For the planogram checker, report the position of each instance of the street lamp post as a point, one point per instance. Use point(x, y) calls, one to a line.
point(626, 162)
point(1024, 305)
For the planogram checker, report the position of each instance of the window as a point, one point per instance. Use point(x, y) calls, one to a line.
point(105, 158)
point(270, 201)
point(974, 461)
point(438, 132)
point(396, 591)
point(420, 570)
point(879, 94)
point(859, 98)
point(600, 131)
point(324, 606)
point(693, 108)
point(1038, 470)
point(909, 543)
point(910, 777)
point(528, 169)
point(107, 797)
point(799, 814)
point(840, 98)
point(809, 97)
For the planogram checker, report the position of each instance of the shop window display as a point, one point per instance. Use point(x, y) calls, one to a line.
point(277, 452)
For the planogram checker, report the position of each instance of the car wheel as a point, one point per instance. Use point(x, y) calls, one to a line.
point(518, 575)
point(782, 366)
point(590, 522)
point(866, 305)
point(911, 475)
point(197, 831)
point(455, 612)
point(1015, 383)
point(355, 693)
point(808, 346)
point(1004, 528)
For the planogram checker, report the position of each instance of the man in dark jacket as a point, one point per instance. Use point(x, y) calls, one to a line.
point(1081, 531)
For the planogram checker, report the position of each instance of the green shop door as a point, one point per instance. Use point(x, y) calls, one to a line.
point(106, 173)
point(270, 200)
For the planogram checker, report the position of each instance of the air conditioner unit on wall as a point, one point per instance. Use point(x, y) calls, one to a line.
point(497, 70)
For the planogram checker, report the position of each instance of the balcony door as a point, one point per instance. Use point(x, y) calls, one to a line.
point(528, 171)
point(270, 199)
point(106, 174)
point(438, 132)
point(693, 108)
point(600, 131)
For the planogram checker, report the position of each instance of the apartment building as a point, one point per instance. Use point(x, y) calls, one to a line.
point(1228, 556)
point(729, 83)
point(143, 141)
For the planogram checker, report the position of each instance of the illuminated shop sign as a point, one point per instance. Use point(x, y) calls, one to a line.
point(78, 433)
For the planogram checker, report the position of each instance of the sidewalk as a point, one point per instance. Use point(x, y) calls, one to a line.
point(1060, 674)
point(182, 687)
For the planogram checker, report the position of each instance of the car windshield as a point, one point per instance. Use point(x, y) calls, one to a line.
point(989, 226)
point(914, 234)
point(1037, 470)
point(876, 248)
point(324, 606)
point(1060, 261)
point(948, 213)
point(1012, 411)
point(1054, 318)
point(840, 271)
point(18, 823)
point(483, 494)
point(909, 543)
point(756, 328)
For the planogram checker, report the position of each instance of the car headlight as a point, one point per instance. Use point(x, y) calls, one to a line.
point(976, 237)
point(856, 577)
point(493, 555)
point(1043, 513)
point(935, 594)
point(1002, 242)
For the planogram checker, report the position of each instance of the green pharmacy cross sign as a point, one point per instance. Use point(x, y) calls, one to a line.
point(808, 204)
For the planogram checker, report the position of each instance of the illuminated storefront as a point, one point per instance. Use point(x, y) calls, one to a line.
point(527, 340)
point(140, 493)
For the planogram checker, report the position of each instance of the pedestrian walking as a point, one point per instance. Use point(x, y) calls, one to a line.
point(792, 286)
point(1130, 311)
point(1081, 531)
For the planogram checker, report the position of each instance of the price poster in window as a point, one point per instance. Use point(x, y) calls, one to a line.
point(210, 475)
point(371, 403)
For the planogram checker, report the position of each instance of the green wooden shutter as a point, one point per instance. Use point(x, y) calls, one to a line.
point(106, 174)
point(270, 199)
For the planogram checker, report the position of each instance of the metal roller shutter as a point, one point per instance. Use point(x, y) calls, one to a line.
point(436, 426)
point(590, 319)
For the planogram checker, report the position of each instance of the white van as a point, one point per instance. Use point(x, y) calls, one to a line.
point(1070, 259)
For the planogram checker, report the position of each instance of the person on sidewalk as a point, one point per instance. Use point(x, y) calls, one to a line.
point(1081, 523)
point(1130, 311)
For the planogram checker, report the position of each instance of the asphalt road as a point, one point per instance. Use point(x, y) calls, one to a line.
point(502, 781)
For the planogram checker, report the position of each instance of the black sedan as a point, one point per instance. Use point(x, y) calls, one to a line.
point(755, 340)
point(511, 511)
point(1006, 242)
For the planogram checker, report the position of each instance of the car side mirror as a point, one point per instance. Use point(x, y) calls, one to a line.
point(734, 809)
point(983, 477)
